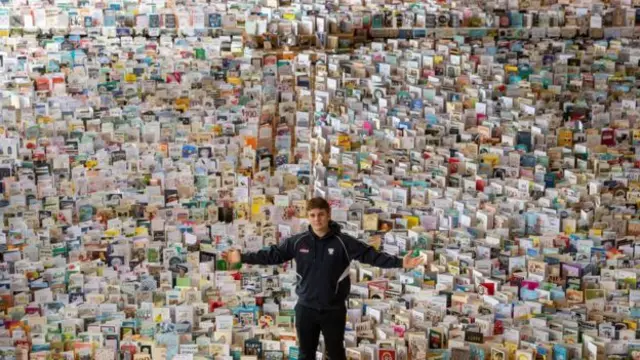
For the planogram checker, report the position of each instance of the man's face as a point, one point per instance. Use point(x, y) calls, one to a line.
point(319, 219)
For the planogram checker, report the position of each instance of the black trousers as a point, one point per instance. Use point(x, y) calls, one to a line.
point(309, 324)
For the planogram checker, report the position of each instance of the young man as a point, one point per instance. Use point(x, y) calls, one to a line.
point(322, 255)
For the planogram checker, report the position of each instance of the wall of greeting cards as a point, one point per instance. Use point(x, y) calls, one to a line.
point(139, 140)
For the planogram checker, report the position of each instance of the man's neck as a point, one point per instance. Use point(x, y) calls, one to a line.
point(321, 233)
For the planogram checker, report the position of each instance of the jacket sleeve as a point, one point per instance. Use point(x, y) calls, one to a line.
point(367, 254)
point(274, 255)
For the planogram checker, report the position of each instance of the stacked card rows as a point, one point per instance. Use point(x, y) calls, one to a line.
point(504, 150)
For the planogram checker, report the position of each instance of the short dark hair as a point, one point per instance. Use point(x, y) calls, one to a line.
point(318, 203)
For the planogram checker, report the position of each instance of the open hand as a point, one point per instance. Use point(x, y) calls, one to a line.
point(409, 261)
point(232, 256)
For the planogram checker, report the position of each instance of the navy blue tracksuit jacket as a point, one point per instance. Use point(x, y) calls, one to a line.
point(322, 264)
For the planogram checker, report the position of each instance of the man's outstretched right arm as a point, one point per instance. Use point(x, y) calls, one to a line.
point(274, 255)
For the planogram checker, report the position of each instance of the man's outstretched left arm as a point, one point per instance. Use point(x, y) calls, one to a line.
point(367, 254)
